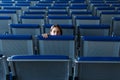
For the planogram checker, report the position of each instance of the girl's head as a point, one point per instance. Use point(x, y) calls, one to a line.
point(55, 30)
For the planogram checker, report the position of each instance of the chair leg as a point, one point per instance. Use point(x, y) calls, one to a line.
point(70, 78)
point(76, 78)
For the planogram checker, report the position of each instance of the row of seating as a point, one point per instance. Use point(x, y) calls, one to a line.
point(39, 3)
point(83, 30)
point(103, 18)
point(107, 52)
point(26, 44)
point(23, 44)
point(62, 20)
point(91, 56)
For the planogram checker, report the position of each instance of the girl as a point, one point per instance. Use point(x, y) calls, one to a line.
point(54, 30)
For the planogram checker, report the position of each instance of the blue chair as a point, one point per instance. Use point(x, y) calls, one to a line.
point(23, 2)
point(44, 4)
point(57, 8)
point(55, 67)
point(93, 6)
point(19, 0)
point(59, 20)
point(23, 5)
point(4, 72)
point(63, 1)
point(17, 9)
point(25, 19)
point(97, 68)
point(94, 30)
point(99, 46)
point(106, 17)
point(103, 9)
point(93, 2)
point(115, 26)
point(81, 7)
point(37, 8)
point(66, 28)
point(74, 3)
point(34, 2)
point(88, 20)
point(35, 13)
point(6, 4)
point(27, 29)
point(4, 24)
point(16, 45)
point(81, 13)
point(77, 1)
point(112, 2)
point(7, 1)
point(61, 4)
point(57, 13)
point(116, 5)
point(57, 45)
point(11, 13)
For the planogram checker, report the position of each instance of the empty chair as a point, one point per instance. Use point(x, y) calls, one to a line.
point(59, 20)
point(98, 5)
point(4, 72)
point(7, 1)
point(25, 19)
point(80, 13)
point(118, 9)
point(55, 67)
point(81, 20)
point(99, 46)
point(97, 68)
point(61, 4)
point(99, 10)
point(115, 26)
point(28, 29)
point(44, 4)
point(16, 44)
point(116, 5)
point(112, 2)
point(23, 5)
point(48, 1)
point(33, 2)
point(71, 3)
point(81, 7)
point(35, 13)
point(6, 4)
point(57, 8)
point(77, 1)
point(19, 0)
point(63, 1)
point(23, 2)
point(4, 24)
point(11, 13)
point(14, 8)
point(106, 17)
point(92, 3)
point(94, 30)
point(57, 13)
point(66, 29)
point(37, 8)
point(57, 45)
point(86, 20)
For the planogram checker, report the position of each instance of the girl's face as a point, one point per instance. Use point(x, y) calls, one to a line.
point(55, 31)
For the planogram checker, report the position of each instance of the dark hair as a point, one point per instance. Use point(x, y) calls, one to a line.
point(57, 27)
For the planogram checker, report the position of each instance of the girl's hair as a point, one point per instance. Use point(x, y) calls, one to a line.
point(53, 26)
